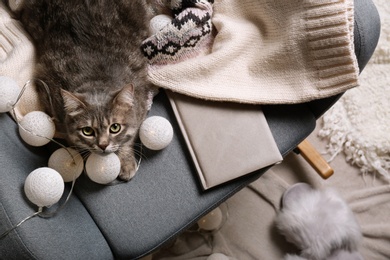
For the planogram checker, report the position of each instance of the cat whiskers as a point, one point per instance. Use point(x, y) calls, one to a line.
point(138, 154)
point(84, 152)
point(139, 151)
point(114, 148)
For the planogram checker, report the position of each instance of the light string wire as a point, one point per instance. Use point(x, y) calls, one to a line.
point(20, 223)
point(40, 211)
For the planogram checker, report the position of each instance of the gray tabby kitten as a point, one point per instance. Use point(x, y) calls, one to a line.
point(89, 56)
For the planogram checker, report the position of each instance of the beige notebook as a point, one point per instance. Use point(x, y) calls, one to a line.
point(226, 140)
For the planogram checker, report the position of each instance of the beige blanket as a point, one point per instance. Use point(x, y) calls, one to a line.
point(249, 231)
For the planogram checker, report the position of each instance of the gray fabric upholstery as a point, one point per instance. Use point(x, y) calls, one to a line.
point(72, 234)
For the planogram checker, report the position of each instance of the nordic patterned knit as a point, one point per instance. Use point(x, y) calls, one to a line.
point(264, 52)
point(185, 37)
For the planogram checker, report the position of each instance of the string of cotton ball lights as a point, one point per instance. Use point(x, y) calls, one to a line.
point(156, 133)
point(158, 22)
point(102, 168)
point(212, 221)
point(9, 94)
point(44, 186)
point(68, 162)
point(34, 122)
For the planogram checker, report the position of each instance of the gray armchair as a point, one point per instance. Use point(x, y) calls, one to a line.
point(132, 220)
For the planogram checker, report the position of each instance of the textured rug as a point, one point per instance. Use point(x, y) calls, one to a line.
point(358, 125)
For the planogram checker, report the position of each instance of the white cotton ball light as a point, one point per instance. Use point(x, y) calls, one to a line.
point(158, 22)
point(36, 128)
point(44, 187)
point(103, 168)
point(9, 93)
point(67, 162)
point(212, 221)
point(156, 133)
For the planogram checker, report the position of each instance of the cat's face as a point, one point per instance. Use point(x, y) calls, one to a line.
point(100, 122)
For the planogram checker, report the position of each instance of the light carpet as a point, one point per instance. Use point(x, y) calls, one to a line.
point(359, 124)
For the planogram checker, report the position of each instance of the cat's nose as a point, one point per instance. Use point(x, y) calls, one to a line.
point(103, 146)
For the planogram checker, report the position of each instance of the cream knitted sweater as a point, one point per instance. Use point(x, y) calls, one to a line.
point(17, 59)
point(279, 51)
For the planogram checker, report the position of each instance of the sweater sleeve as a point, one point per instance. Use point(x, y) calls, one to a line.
point(17, 60)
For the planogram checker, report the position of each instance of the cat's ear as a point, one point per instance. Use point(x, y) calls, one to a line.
point(125, 97)
point(73, 105)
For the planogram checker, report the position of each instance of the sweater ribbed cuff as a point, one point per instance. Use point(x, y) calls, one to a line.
point(329, 29)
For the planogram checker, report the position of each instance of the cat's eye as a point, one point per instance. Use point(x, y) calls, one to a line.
point(115, 128)
point(87, 131)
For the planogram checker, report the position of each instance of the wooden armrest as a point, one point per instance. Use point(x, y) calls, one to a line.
point(310, 154)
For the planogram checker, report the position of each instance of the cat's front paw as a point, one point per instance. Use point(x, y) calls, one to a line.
point(128, 169)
